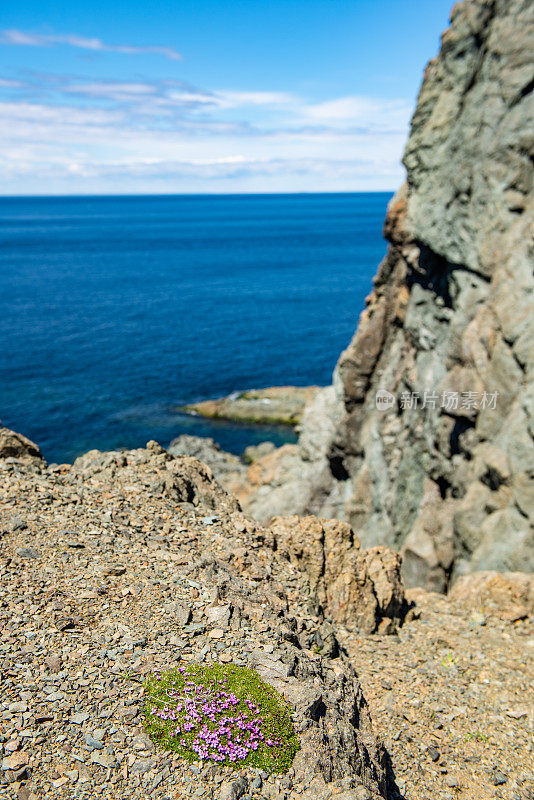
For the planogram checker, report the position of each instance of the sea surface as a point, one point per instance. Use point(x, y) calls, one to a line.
point(114, 311)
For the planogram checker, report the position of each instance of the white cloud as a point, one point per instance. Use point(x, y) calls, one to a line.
point(370, 112)
point(16, 37)
point(150, 136)
point(235, 99)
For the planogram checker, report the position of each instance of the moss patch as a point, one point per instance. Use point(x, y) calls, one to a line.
point(220, 713)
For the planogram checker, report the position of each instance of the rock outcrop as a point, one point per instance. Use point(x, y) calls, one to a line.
point(189, 578)
point(221, 463)
point(361, 589)
point(275, 405)
point(424, 442)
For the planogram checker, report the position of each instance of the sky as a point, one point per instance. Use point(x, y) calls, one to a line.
point(210, 96)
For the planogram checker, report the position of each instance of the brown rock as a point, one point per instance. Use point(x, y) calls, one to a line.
point(15, 760)
point(355, 587)
point(508, 596)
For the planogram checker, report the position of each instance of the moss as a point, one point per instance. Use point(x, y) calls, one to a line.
point(220, 713)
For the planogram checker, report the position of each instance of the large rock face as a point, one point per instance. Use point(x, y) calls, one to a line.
point(446, 477)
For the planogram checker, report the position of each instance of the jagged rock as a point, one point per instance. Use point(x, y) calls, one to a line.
point(452, 310)
point(509, 596)
point(358, 588)
point(193, 482)
point(15, 445)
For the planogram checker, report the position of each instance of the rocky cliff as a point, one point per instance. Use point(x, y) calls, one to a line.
point(444, 470)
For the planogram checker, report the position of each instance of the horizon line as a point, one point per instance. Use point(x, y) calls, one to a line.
point(195, 194)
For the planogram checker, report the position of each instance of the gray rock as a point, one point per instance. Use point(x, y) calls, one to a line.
point(93, 744)
point(448, 478)
point(233, 790)
point(28, 552)
point(209, 452)
point(79, 718)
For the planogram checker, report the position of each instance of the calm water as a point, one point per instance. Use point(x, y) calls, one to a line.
point(114, 310)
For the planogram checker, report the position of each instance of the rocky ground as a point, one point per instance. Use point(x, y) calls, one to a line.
point(275, 405)
point(452, 697)
point(128, 561)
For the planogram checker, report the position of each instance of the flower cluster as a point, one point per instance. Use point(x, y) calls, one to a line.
point(200, 711)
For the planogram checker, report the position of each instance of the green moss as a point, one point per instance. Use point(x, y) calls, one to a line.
point(184, 713)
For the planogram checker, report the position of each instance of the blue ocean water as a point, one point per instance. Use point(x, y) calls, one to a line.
point(115, 310)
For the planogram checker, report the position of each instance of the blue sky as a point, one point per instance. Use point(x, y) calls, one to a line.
point(210, 95)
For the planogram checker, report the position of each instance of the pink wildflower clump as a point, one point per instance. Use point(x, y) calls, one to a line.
point(206, 718)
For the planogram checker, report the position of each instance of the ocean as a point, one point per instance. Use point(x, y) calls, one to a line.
point(115, 311)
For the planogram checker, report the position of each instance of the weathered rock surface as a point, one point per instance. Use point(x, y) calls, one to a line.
point(15, 445)
point(125, 577)
point(205, 449)
point(445, 470)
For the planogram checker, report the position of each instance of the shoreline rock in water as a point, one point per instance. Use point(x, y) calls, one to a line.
point(275, 405)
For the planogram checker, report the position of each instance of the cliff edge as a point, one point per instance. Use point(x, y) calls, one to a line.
point(440, 464)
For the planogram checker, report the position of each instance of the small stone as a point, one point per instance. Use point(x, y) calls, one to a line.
point(433, 752)
point(141, 767)
point(18, 708)
point(28, 552)
point(80, 717)
point(219, 615)
point(16, 524)
point(15, 760)
point(232, 790)
point(452, 782)
point(93, 744)
point(113, 570)
point(216, 633)
point(498, 778)
point(53, 663)
point(102, 759)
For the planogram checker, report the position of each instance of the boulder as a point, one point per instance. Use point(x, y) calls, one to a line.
point(209, 452)
point(15, 445)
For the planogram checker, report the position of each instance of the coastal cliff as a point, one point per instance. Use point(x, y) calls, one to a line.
point(443, 471)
